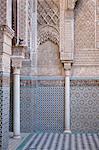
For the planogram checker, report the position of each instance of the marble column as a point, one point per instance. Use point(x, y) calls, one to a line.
point(16, 107)
point(67, 101)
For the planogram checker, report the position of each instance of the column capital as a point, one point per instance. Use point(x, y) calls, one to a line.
point(69, 15)
point(16, 62)
point(16, 70)
point(70, 4)
point(67, 66)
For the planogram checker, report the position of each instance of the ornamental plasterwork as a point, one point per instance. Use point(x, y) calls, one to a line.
point(48, 33)
point(48, 13)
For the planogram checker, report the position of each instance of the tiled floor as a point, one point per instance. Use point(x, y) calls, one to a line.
point(14, 143)
point(55, 141)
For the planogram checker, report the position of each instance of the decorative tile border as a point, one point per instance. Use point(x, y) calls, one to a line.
point(42, 78)
point(51, 83)
point(82, 82)
point(42, 81)
point(45, 83)
point(28, 83)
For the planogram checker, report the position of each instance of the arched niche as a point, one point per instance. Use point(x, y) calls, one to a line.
point(48, 57)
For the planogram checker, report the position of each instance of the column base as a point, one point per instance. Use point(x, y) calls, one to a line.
point(16, 137)
point(68, 131)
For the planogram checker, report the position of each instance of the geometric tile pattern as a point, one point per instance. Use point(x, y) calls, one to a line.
point(85, 105)
point(55, 141)
point(42, 106)
point(27, 109)
point(50, 109)
point(11, 106)
point(5, 117)
point(4, 110)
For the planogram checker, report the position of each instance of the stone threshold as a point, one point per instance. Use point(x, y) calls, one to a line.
point(14, 143)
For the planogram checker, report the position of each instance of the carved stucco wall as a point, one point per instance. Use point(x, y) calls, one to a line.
point(86, 62)
point(48, 13)
point(85, 25)
point(48, 62)
point(48, 59)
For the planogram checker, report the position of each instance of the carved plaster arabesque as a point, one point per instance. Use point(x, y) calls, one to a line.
point(48, 33)
point(48, 13)
point(48, 21)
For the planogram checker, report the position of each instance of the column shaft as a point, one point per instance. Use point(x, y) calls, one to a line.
point(67, 101)
point(16, 118)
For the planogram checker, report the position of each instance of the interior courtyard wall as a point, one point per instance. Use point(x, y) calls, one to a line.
point(43, 92)
point(85, 70)
point(42, 76)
